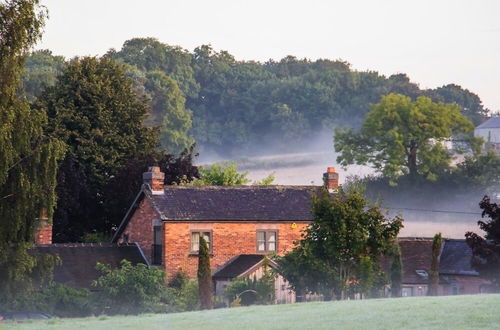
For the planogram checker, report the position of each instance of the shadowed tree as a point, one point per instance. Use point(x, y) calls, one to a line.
point(486, 250)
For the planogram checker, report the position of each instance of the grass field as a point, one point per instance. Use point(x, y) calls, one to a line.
point(453, 312)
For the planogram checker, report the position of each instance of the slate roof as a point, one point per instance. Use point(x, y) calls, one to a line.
point(237, 266)
point(235, 203)
point(493, 122)
point(78, 260)
point(416, 254)
point(455, 258)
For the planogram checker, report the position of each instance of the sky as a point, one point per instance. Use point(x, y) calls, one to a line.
point(434, 42)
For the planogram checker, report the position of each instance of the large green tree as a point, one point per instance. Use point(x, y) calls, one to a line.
point(342, 246)
point(28, 157)
point(94, 109)
point(400, 136)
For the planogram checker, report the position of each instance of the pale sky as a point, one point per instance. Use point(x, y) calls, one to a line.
point(435, 42)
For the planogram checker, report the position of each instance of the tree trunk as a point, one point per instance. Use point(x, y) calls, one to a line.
point(412, 160)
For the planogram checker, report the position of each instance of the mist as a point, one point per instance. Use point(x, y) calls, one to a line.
point(425, 211)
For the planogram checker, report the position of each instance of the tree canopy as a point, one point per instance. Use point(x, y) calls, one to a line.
point(93, 109)
point(230, 106)
point(341, 249)
point(28, 157)
point(226, 174)
point(400, 136)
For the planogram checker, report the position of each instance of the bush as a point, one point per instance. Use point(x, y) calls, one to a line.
point(183, 293)
point(130, 289)
point(62, 301)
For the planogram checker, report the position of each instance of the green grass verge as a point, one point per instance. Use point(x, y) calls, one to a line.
point(452, 312)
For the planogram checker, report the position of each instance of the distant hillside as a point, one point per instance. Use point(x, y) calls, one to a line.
point(240, 108)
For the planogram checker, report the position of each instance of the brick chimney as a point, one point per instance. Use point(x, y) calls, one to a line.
point(43, 233)
point(331, 179)
point(155, 179)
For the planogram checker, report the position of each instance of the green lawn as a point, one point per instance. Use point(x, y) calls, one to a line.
point(454, 312)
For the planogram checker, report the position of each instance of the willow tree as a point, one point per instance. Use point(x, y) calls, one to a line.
point(28, 157)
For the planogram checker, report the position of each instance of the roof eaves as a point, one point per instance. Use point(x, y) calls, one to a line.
point(129, 214)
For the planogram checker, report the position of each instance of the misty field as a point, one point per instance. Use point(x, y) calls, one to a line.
point(452, 312)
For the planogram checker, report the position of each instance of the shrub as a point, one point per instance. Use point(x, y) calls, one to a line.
point(130, 289)
point(63, 301)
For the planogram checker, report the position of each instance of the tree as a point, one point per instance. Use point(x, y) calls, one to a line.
point(486, 250)
point(400, 137)
point(28, 157)
point(396, 272)
point(434, 273)
point(40, 71)
point(345, 241)
point(94, 110)
point(168, 112)
point(204, 275)
point(226, 174)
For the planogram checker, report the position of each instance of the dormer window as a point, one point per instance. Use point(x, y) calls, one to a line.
point(422, 273)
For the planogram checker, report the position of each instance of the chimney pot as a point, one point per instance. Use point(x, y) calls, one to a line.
point(155, 179)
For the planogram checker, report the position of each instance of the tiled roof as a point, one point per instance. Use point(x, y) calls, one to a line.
point(237, 266)
point(78, 260)
point(238, 203)
point(455, 258)
point(493, 122)
point(416, 254)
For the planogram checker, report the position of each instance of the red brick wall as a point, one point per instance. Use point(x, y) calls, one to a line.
point(140, 228)
point(228, 239)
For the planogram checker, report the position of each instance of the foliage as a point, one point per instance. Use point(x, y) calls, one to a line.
point(249, 291)
point(40, 71)
point(129, 289)
point(344, 242)
point(62, 301)
point(486, 250)
point(204, 276)
point(401, 137)
point(437, 241)
point(226, 174)
point(396, 272)
point(239, 104)
point(93, 108)
point(221, 174)
point(168, 112)
point(28, 157)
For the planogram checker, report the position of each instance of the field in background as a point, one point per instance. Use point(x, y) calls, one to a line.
point(452, 312)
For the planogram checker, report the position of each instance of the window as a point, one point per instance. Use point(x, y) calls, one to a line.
point(195, 240)
point(407, 292)
point(267, 241)
point(157, 245)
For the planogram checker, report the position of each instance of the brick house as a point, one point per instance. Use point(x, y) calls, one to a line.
point(167, 221)
point(456, 275)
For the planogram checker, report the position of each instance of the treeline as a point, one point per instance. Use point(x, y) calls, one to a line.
point(232, 107)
